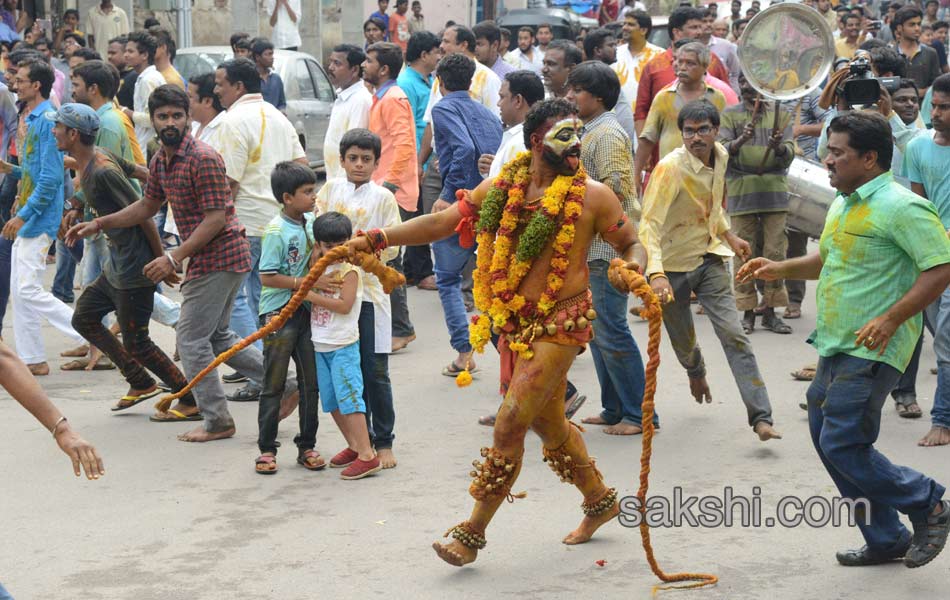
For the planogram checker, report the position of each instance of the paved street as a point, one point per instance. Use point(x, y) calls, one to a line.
point(172, 520)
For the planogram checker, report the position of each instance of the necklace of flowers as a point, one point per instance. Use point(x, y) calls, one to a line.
point(500, 271)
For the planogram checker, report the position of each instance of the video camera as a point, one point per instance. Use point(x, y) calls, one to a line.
point(862, 87)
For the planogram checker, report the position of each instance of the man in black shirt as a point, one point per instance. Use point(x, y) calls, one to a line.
point(923, 65)
point(128, 75)
point(122, 287)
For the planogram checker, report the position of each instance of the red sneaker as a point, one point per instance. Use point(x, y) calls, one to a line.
point(343, 458)
point(361, 468)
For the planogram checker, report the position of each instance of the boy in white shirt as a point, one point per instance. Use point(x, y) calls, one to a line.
point(369, 206)
point(334, 324)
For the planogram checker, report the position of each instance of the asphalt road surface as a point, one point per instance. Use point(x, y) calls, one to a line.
point(174, 520)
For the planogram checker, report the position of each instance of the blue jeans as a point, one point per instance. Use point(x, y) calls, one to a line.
point(244, 314)
point(615, 353)
point(4, 594)
point(450, 259)
point(65, 273)
point(938, 315)
point(377, 388)
point(95, 253)
point(844, 417)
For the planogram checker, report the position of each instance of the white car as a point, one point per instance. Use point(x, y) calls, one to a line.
point(307, 87)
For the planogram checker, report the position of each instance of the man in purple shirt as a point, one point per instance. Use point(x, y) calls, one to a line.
point(487, 43)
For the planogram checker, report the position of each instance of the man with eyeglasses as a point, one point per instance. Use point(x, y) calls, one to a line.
point(684, 202)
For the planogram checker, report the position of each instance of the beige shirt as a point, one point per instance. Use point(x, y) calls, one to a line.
point(104, 26)
point(683, 216)
point(252, 138)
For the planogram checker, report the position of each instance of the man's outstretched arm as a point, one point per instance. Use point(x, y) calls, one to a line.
point(427, 228)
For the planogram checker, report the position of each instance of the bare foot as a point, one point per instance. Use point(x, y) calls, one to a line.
point(598, 420)
point(455, 553)
point(388, 460)
point(700, 389)
point(95, 355)
point(589, 525)
point(77, 352)
point(288, 404)
point(766, 432)
point(200, 435)
point(39, 369)
point(623, 429)
point(937, 436)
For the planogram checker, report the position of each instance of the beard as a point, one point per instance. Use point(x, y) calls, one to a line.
point(563, 164)
point(171, 136)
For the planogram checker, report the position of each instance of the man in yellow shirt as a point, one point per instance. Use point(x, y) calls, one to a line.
point(687, 238)
point(851, 40)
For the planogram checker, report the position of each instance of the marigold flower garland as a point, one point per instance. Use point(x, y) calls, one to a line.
point(501, 267)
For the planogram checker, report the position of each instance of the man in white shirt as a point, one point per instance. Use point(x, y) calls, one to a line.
point(526, 56)
point(285, 19)
point(519, 92)
point(252, 138)
point(140, 55)
point(352, 104)
point(103, 23)
point(634, 54)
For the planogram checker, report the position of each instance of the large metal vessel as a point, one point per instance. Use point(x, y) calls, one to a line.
point(809, 196)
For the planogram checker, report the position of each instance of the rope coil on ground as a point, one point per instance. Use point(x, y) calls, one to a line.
point(390, 279)
point(653, 313)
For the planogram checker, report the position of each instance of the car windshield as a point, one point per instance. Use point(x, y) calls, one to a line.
point(195, 63)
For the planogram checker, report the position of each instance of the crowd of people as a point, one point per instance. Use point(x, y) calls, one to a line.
point(567, 160)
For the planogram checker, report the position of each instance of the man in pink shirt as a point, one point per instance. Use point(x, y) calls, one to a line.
point(391, 118)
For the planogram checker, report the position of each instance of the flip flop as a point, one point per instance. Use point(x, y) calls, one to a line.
point(911, 410)
point(133, 400)
point(311, 454)
point(265, 460)
point(805, 374)
point(452, 370)
point(179, 417)
point(574, 406)
point(80, 364)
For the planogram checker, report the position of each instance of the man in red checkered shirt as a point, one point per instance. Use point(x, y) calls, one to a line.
point(190, 175)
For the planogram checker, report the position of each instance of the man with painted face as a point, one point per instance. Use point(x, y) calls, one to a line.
point(684, 202)
point(540, 239)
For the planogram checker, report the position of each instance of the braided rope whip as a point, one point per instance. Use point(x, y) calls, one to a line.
point(653, 312)
point(390, 278)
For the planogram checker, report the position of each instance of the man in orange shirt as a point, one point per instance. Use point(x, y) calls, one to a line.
point(391, 118)
point(399, 25)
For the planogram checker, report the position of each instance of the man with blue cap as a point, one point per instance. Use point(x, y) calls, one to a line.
point(122, 287)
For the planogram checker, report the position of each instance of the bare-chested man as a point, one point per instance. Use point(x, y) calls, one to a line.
point(542, 309)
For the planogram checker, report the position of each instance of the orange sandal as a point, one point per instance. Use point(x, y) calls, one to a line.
point(311, 460)
point(265, 459)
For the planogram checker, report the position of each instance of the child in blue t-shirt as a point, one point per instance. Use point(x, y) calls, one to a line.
point(285, 260)
point(336, 339)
